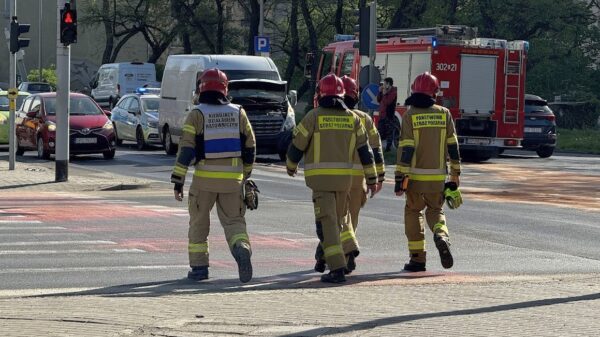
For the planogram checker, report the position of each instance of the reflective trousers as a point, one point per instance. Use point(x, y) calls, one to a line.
point(357, 199)
point(330, 212)
point(416, 202)
point(230, 209)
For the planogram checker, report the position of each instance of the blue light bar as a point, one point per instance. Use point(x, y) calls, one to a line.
point(434, 42)
point(343, 37)
point(148, 91)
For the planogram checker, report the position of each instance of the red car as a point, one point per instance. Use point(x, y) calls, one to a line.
point(90, 130)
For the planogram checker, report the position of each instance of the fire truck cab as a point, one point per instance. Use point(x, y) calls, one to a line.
point(482, 80)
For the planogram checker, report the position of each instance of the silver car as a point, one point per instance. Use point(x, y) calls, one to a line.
point(135, 118)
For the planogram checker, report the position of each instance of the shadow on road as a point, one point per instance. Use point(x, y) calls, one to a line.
point(304, 279)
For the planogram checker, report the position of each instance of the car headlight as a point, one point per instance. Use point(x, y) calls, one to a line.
point(51, 126)
point(153, 124)
point(108, 125)
point(290, 120)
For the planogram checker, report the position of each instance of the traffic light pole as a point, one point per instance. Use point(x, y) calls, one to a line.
point(63, 60)
point(12, 83)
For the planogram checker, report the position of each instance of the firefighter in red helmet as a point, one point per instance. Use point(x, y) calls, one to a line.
point(358, 190)
point(218, 135)
point(428, 141)
point(328, 138)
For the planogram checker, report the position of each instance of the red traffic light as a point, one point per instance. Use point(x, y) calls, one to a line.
point(68, 17)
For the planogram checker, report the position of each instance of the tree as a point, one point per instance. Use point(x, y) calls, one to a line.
point(48, 75)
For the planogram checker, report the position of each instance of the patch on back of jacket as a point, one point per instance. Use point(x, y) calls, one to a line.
point(221, 130)
point(336, 123)
point(429, 120)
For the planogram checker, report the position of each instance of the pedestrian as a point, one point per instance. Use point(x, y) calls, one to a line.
point(388, 124)
point(358, 190)
point(328, 138)
point(219, 136)
point(428, 140)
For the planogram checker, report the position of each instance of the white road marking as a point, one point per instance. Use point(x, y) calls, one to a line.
point(91, 269)
point(30, 228)
point(69, 251)
point(57, 243)
point(19, 221)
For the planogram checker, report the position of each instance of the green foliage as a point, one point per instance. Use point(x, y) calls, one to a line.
point(585, 141)
point(583, 115)
point(48, 75)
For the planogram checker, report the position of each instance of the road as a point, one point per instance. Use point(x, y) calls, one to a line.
point(523, 215)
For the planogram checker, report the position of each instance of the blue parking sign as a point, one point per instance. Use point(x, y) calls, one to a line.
point(262, 44)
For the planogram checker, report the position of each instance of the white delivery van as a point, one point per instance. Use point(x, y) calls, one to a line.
point(114, 80)
point(254, 83)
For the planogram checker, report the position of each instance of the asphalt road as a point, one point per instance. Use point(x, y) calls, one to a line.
point(113, 238)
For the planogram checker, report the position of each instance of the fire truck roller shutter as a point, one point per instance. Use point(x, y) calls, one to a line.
point(477, 84)
point(398, 68)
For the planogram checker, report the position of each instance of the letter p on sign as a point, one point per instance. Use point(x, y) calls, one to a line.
point(261, 44)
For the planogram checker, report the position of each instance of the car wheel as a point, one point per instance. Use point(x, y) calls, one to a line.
point(139, 138)
point(42, 153)
point(545, 151)
point(109, 154)
point(111, 104)
point(19, 150)
point(170, 147)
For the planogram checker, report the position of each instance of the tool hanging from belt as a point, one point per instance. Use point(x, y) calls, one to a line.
point(250, 194)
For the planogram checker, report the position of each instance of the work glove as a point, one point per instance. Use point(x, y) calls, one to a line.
point(291, 171)
point(401, 184)
point(452, 195)
point(178, 191)
point(250, 194)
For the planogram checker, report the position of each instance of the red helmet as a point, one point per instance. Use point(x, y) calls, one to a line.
point(331, 85)
point(426, 84)
point(213, 80)
point(350, 87)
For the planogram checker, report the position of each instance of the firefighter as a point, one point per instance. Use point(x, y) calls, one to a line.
point(358, 191)
point(428, 140)
point(220, 137)
point(328, 137)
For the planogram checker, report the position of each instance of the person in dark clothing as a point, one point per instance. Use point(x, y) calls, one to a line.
point(387, 98)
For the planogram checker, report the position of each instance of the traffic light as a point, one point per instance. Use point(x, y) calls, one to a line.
point(16, 29)
point(68, 25)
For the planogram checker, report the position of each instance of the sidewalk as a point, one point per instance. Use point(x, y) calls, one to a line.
point(370, 305)
point(40, 177)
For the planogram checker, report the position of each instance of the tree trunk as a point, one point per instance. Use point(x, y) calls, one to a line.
point(220, 27)
point(108, 30)
point(291, 66)
point(314, 46)
point(485, 7)
point(254, 23)
point(452, 12)
point(408, 13)
point(339, 12)
point(187, 44)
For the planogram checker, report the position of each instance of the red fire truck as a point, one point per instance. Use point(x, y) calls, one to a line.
point(482, 80)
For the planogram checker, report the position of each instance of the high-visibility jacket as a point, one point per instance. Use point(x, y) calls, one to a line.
point(222, 141)
point(374, 140)
point(428, 140)
point(328, 138)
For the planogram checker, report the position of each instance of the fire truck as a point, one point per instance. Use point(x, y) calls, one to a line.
point(482, 80)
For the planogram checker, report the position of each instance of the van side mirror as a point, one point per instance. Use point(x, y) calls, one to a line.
point(32, 114)
point(309, 60)
point(293, 97)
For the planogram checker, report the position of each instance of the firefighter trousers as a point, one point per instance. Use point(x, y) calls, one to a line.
point(357, 199)
point(416, 202)
point(330, 213)
point(230, 209)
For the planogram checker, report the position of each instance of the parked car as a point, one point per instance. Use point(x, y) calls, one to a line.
point(91, 131)
point(115, 80)
point(135, 118)
point(540, 126)
point(35, 87)
point(4, 114)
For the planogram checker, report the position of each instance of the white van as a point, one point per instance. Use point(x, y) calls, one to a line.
point(114, 80)
point(254, 83)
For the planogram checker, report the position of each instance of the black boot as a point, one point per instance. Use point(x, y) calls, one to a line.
point(241, 252)
point(334, 276)
point(443, 245)
point(351, 264)
point(320, 265)
point(198, 273)
point(413, 266)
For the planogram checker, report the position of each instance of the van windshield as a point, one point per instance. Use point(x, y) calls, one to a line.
point(245, 74)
